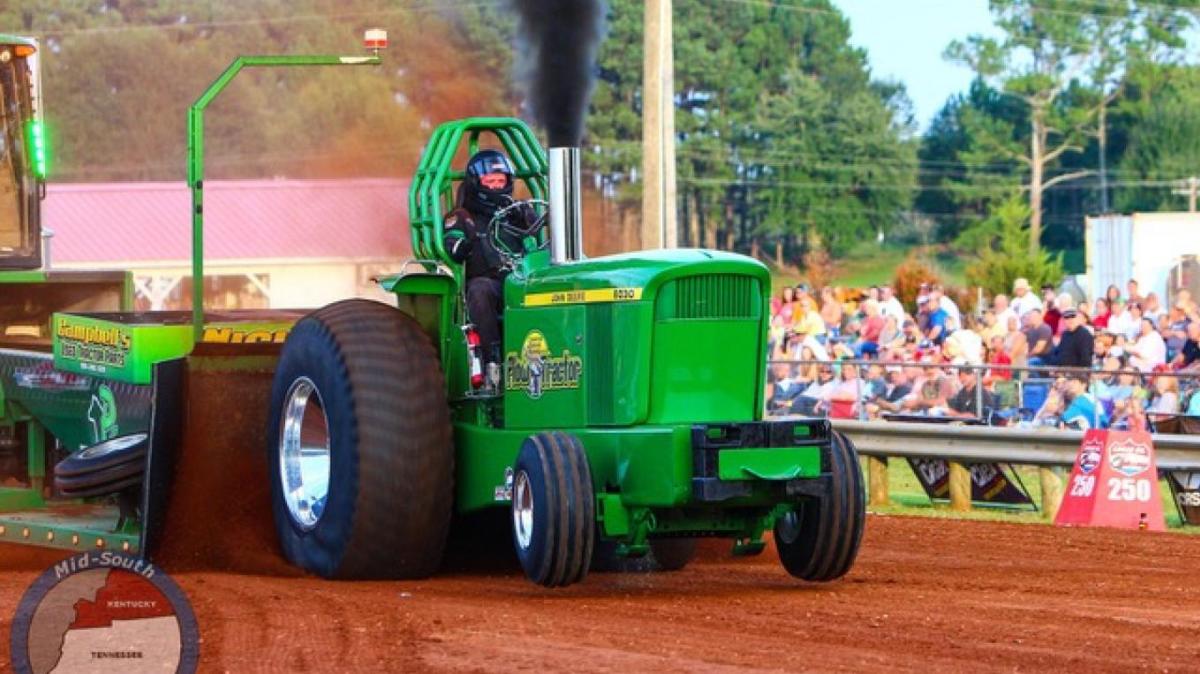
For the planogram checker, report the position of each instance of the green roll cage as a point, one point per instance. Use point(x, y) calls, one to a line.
point(431, 194)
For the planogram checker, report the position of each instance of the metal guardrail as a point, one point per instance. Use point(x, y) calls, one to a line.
point(985, 444)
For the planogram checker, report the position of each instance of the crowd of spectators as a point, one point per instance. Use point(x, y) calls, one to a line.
point(1112, 362)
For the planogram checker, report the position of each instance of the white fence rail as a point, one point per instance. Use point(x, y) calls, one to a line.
point(978, 444)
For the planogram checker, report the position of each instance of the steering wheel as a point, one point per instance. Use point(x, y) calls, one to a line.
point(506, 229)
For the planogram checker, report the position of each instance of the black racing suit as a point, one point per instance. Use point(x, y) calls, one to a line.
point(468, 239)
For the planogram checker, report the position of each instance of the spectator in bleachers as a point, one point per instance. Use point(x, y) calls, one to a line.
point(1023, 300)
point(807, 322)
point(936, 330)
point(1038, 336)
point(1003, 311)
point(874, 380)
point(1083, 410)
point(1075, 346)
point(890, 306)
point(890, 333)
point(1085, 312)
point(831, 312)
point(998, 355)
point(1127, 322)
point(808, 368)
point(963, 402)
point(782, 390)
point(1106, 385)
point(1189, 354)
point(1176, 332)
point(1192, 404)
point(1132, 295)
point(1149, 350)
point(1101, 313)
point(1051, 312)
point(1113, 295)
point(816, 393)
point(962, 345)
point(870, 331)
point(1165, 396)
point(991, 327)
point(783, 303)
point(890, 398)
point(842, 400)
point(1063, 303)
point(937, 294)
point(1130, 415)
point(1128, 398)
point(1151, 308)
point(1050, 413)
point(929, 392)
point(1016, 345)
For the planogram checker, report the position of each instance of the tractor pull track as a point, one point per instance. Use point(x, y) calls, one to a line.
point(926, 595)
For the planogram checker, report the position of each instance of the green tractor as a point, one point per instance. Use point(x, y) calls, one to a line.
point(625, 420)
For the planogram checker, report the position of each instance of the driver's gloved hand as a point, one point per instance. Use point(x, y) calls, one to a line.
point(459, 234)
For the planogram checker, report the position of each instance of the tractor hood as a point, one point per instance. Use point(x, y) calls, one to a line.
point(654, 337)
point(639, 274)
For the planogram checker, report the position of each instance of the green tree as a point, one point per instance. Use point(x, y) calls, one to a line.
point(1059, 58)
point(958, 180)
point(118, 78)
point(1003, 245)
point(783, 137)
point(1163, 144)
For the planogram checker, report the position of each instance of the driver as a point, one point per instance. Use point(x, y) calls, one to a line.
point(468, 237)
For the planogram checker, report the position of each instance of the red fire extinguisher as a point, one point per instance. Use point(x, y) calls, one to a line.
point(473, 352)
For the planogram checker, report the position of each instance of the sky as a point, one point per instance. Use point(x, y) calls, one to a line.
point(904, 40)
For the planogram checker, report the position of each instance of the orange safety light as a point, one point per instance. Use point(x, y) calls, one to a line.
point(375, 38)
point(24, 50)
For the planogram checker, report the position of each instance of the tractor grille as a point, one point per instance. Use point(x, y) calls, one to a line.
point(710, 296)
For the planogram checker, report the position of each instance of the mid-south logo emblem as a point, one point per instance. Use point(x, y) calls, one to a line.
point(536, 371)
point(1129, 458)
point(104, 612)
point(1089, 456)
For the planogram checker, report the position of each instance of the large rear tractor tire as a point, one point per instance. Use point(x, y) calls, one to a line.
point(553, 509)
point(360, 445)
point(819, 540)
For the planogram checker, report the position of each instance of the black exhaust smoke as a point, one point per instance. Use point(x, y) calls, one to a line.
point(560, 39)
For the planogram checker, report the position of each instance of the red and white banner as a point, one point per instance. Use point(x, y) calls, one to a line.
point(1114, 483)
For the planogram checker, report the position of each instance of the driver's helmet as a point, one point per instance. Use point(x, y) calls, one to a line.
point(489, 183)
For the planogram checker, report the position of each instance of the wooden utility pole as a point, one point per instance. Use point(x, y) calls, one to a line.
point(659, 229)
point(1190, 187)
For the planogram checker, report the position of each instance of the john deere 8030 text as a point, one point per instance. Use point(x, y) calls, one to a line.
point(625, 419)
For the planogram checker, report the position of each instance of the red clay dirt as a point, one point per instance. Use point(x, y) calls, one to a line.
point(221, 493)
point(926, 595)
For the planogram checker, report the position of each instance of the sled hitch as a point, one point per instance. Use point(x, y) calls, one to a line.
point(731, 460)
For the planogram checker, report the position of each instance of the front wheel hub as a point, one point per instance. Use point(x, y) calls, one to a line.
point(522, 510)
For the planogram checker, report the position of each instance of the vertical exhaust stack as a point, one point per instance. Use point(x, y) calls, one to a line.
point(566, 210)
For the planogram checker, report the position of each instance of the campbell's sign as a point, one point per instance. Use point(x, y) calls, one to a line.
point(1129, 457)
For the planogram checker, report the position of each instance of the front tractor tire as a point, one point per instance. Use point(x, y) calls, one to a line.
point(360, 447)
point(819, 540)
point(553, 509)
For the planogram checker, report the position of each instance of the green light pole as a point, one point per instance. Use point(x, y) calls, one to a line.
point(374, 40)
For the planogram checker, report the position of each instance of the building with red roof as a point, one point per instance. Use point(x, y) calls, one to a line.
point(268, 243)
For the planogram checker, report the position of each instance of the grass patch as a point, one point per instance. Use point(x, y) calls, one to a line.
point(869, 264)
point(906, 497)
